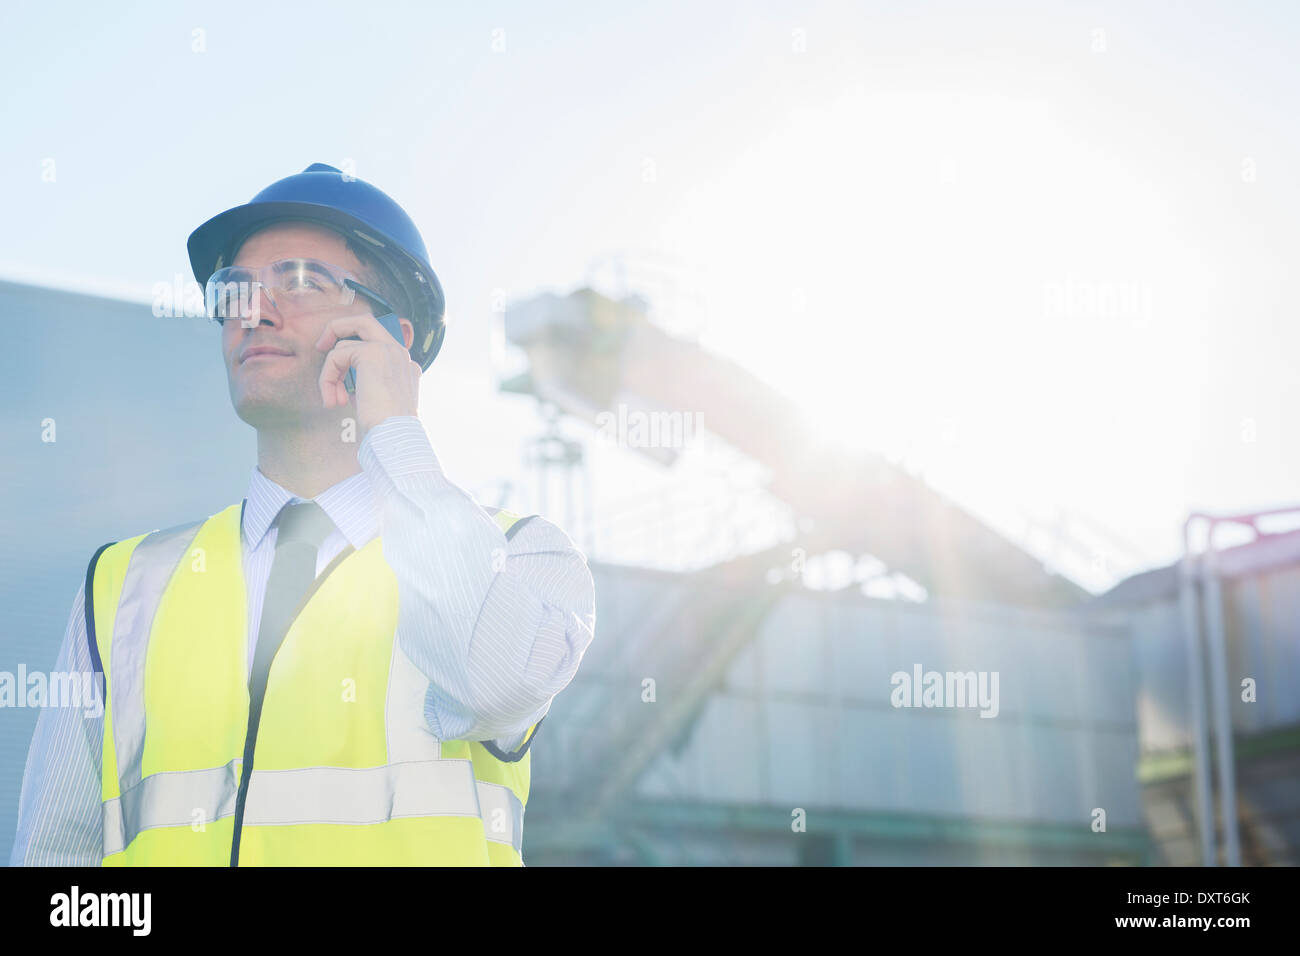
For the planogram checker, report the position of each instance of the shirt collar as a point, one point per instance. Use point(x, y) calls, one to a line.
point(350, 504)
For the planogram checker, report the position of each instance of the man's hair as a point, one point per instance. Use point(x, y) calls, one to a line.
point(378, 275)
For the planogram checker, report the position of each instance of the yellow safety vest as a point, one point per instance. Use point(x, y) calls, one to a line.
point(346, 769)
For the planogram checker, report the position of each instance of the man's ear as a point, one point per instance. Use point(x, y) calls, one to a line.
point(408, 332)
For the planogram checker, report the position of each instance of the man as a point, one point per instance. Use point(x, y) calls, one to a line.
point(349, 666)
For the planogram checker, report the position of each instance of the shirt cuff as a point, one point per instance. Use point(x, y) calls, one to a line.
point(400, 448)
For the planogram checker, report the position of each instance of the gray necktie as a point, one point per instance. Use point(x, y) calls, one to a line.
point(302, 528)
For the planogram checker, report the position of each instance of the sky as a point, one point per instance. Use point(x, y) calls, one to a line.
point(1040, 254)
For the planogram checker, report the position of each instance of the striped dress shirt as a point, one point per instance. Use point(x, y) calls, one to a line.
point(497, 626)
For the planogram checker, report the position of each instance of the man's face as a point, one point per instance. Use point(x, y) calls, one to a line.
point(283, 388)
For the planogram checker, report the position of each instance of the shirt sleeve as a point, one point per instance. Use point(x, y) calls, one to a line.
point(60, 821)
point(497, 626)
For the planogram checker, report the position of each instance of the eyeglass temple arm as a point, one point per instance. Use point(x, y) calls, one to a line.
point(374, 297)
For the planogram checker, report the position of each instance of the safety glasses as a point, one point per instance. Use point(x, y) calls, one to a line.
point(293, 286)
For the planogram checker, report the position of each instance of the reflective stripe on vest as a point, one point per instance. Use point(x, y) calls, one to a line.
point(347, 768)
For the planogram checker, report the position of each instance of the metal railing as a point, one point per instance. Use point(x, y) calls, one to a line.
point(1202, 575)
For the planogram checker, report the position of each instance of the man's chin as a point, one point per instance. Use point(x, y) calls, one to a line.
point(262, 411)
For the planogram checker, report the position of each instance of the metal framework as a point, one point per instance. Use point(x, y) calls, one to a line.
point(1202, 571)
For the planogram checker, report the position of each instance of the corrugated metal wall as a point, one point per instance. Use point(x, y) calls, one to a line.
point(816, 688)
point(804, 719)
point(1263, 613)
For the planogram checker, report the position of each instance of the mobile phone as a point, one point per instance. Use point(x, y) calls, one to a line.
point(394, 327)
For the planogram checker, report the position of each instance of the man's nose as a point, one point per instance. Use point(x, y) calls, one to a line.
point(264, 310)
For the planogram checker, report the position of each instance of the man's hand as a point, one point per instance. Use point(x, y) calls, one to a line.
point(388, 379)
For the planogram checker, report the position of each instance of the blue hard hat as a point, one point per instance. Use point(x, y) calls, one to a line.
point(322, 194)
